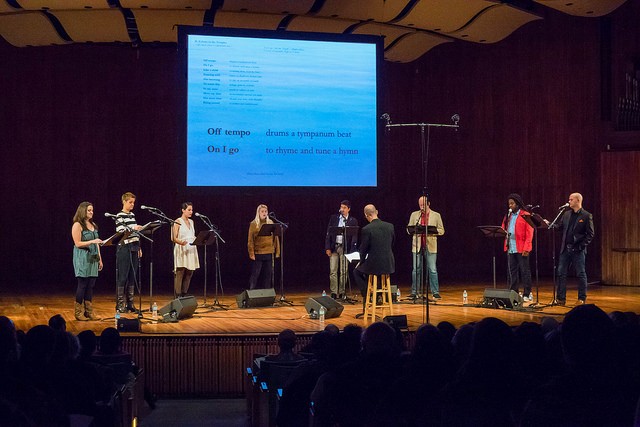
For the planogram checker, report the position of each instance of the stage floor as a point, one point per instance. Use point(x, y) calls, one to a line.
point(37, 307)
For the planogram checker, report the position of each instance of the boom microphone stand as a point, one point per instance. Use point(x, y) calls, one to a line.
point(163, 220)
point(553, 225)
point(281, 227)
point(213, 230)
point(425, 159)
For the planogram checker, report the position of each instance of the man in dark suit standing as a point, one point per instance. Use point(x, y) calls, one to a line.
point(337, 245)
point(376, 254)
point(577, 233)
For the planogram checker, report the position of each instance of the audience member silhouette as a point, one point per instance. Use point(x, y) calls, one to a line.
point(57, 323)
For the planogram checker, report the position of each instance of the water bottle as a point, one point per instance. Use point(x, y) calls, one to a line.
point(324, 294)
point(398, 294)
point(117, 318)
point(321, 313)
point(464, 296)
point(154, 312)
point(530, 296)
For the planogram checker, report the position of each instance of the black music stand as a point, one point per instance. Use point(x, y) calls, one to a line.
point(206, 238)
point(278, 231)
point(493, 231)
point(347, 232)
point(536, 221)
point(147, 230)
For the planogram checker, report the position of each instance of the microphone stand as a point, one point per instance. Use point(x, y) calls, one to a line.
point(163, 220)
point(283, 226)
point(552, 226)
point(218, 275)
point(425, 162)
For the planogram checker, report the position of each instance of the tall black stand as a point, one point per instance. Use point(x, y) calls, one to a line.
point(206, 238)
point(347, 232)
point(552, 226)
point(493, 231)
point(114, 240)
point(148, 230)
point(280, 228)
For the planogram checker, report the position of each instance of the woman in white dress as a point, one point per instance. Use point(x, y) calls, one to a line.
point(185, 256)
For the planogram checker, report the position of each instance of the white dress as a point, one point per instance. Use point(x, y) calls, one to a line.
point(185, 256)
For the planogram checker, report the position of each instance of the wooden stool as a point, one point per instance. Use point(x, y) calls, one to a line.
point(371, 300)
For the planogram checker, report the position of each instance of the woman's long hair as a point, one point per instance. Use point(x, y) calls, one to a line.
point(257, 218)
point(81, 215)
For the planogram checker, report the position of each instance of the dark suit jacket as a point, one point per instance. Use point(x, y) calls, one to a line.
point(376, 254)
point(352, 239)
point(582, 233)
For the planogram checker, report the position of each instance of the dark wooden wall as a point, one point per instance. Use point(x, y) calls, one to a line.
point(88, 122)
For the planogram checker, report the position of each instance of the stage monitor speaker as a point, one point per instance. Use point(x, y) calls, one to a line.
point(397, 321)
point(332, 308)
point(502, 298)
point(179, 308)
point(128, 325)
point(256, 298)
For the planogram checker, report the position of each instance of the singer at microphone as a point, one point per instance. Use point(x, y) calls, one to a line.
point(185, 255)
point(262, 245)
point(518, 244)
point(337, 245)
point(128, 256)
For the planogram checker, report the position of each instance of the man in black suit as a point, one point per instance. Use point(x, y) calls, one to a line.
point(337, 246)
point(376, 254)
point(577, 233)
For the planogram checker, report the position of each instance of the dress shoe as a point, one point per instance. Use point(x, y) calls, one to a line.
point(437, 296)
point(412, 296)
point(580, 302)
point(334, 296)
point(561, 302)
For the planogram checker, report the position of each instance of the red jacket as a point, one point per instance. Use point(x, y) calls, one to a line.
point(524, 232)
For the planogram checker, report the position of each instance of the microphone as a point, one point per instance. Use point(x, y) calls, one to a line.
point(148, 208)
point(272, 214)
point(510, 211)
point(198, 214)
point(531, 207)
point(386, 117)
point(566, 205)
point(455, 119)
point(108, 215)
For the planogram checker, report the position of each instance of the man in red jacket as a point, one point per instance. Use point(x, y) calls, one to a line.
point(518, 244)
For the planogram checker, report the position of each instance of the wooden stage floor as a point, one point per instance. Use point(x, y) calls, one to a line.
point(35, 308)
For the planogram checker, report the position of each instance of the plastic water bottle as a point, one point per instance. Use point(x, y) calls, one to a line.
point(321, 317)
point(530, 296)
point(398, 294)
point(465, 297)
point(154, 311)
point(324, 294)
point(117, 318)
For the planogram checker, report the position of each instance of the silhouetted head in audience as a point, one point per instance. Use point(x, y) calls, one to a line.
point(548, 324)
point(8, 341)
point(38, 346)
point(332, 329)
point(447, 329)
point(67, 347)
point(110, 341)
point(462, 342)
point(57, 323)
point(379, 339)
point(88, 343)
point(589, 341)
point(492, 344)
point(350, 342)
point(287, 340)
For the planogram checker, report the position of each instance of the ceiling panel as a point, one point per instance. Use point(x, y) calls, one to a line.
point(94, 25)
point(319, 25)
point(63, 4)
point(377, 10)
point(29, 29)
point(259, 21)
point(443, 15)
point(584, 8)
point(160, 25)
point(412, 46)
point(166, 4)
point(389, 32)
point(494, 24)
point(283, 7)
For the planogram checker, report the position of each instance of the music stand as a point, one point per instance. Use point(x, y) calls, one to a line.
point(206, 238)
point(536, 221)
point(347, 232)
point(493, 231)
point(147, 230)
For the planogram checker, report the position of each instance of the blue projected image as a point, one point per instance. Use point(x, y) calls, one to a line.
point(281, 112)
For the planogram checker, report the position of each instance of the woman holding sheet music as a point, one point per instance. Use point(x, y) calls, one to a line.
point(185, 255)
point(261, 250)
point(86, 259)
